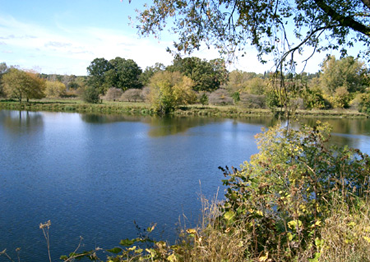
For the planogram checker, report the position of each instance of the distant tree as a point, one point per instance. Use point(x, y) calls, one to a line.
point(55, 89)
point(149, 72)
point(238, 79)
point(207, 76)
point(346, 72)
point(169, 90)
point(96, 73)
point(21, 84)
point(256, 86)
point(128, 73)
point(69, 81)
point(3, 70)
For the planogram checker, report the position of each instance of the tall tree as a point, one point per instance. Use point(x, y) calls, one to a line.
point(96, 72)
point(118, 72)
point(207, 76)
point(127, 73)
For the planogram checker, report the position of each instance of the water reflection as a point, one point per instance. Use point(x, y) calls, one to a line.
point(172, 125)
point(22, 120)
point(104, 119)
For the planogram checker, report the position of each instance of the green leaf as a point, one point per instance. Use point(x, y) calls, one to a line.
point(127, 242)
point(229, 215)
point(115, 250)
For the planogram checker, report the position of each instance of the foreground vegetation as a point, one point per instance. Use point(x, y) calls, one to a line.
point(298, 199)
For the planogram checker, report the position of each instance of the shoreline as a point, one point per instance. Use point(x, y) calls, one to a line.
point(70, 106)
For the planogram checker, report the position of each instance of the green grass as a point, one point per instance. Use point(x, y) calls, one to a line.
point(142, 108)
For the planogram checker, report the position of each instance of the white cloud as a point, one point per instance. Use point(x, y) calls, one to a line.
point(62, 49)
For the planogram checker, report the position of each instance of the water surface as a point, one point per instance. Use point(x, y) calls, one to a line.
point(93, 176)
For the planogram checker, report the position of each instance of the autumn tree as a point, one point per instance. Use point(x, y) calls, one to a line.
point(55, 89)
point(21, 84)
point(348, 72)
point(278, 29)
point(169, 90)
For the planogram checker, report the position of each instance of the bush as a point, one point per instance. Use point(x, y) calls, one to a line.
point(252, 101)
point(285, 193)
point(363, 101)
point(132, 95)
point(55, 89)
point(113, 94)
point(220, 97)
point(91, 95)
point(203, 98)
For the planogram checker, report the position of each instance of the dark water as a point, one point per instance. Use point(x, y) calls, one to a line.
point(92, 176)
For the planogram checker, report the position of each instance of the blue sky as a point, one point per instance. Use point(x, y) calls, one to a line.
point(64, 36)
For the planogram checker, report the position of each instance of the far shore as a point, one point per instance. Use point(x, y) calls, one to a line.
point(140, 108)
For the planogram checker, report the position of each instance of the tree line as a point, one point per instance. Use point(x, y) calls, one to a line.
point(341, 83)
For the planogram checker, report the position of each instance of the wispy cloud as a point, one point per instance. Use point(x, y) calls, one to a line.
point(77, 46)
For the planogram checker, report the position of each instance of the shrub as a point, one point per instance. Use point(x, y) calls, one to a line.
point(113, 94)
point(132, 95)
point(341, 97)
point(252, 101)
point(314, 98)
point(220, 97)
point(363, 101)
point(203, 98)
point(284, 194)
point(55, 89)
point(91, 95)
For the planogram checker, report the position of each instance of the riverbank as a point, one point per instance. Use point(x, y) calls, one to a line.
point(144, 109)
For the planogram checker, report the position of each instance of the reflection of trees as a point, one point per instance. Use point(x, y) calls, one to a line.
point(170, 125)
point(343, 125)
point(345, 131)
point(21, 120)
point(159, 126)
point(103, 119)
point(265, 121)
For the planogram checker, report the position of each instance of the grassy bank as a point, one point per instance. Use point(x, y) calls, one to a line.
point(71, 105)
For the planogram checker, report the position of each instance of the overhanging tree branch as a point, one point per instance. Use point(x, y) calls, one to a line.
point(345, 21)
